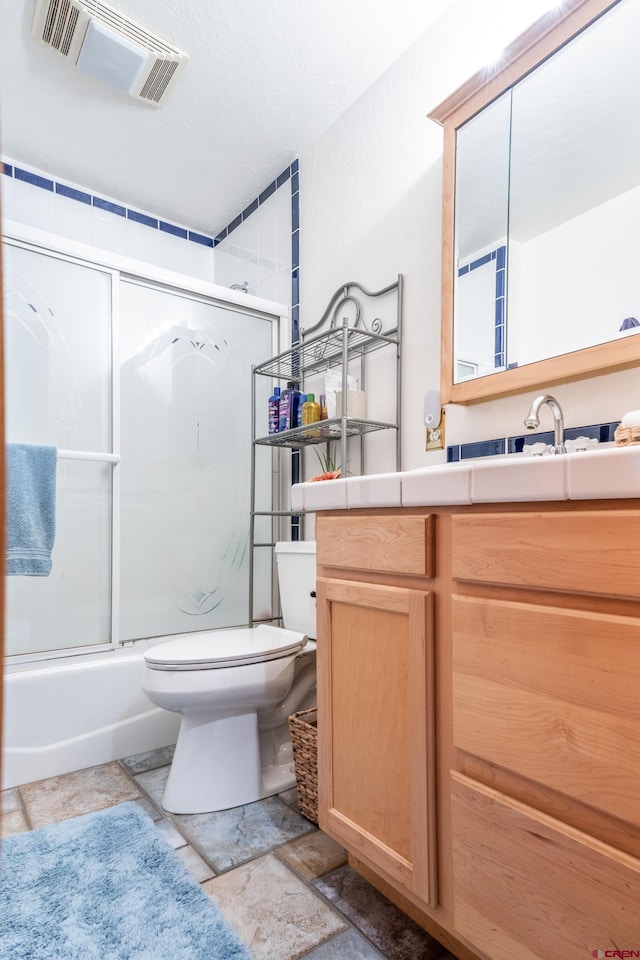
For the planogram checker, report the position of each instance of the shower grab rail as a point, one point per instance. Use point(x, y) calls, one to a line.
point(87, 455)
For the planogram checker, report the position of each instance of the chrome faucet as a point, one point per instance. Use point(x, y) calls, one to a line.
point(533, 420)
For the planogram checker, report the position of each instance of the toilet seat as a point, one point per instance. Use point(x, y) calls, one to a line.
point(225, 648)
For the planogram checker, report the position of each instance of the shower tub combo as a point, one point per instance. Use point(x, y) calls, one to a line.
point(147, 406)
point(76, 712)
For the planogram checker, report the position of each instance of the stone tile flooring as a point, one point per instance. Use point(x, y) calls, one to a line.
point(282, 884)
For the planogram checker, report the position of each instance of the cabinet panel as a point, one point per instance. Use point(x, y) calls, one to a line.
point(396, 544)
point(527, 886)
point(551, 694)
point(594, 552)
point(375, 727)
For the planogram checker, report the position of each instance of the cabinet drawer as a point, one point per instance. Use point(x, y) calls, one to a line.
point(528, 886)
point(551, 694)
point(595, 552)
point(397, 544)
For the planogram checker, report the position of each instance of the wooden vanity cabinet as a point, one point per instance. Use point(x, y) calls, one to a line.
point(545, 649)
point(486, 772)
point(376, 694)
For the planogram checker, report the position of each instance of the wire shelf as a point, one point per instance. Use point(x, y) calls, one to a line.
point(321, 352)
point(321, 431)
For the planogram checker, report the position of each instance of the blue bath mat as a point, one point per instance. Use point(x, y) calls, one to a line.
point(106, 886)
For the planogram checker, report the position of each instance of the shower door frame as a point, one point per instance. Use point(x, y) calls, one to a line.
point(125, 269)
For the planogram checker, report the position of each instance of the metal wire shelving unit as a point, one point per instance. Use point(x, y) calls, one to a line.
point(333, 342)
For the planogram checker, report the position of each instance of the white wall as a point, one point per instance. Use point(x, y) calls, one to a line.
point(371, 208)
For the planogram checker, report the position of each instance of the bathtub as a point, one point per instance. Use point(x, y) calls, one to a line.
point(76, 712)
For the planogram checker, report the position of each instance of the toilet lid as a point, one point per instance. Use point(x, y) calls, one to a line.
point(225, 648)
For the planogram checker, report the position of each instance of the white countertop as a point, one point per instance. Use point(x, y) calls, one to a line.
point(597, 474)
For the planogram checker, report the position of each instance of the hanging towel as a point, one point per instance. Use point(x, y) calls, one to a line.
point(31, 503)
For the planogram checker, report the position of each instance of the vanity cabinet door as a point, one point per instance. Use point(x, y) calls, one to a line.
point(529, 887)
point(376, 728)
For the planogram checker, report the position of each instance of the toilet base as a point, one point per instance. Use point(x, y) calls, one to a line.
point(208, 771)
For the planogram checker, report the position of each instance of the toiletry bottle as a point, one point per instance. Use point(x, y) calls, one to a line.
point(323, 407)
point(310, 410)
point(301, 402)
point(274, 411)
point(288, 407)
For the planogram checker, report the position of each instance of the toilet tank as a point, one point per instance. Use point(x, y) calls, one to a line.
point(296, 562)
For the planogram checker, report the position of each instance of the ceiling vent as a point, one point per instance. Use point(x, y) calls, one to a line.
point(110, 46)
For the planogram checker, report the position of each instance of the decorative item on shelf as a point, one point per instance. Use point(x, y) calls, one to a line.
point(330, 470)
point(628, 432)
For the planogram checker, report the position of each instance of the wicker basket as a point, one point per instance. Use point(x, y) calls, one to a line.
point(303, 727)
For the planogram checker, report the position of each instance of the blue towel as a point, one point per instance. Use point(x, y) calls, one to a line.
point(31, 506)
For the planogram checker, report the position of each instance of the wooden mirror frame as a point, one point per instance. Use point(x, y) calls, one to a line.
point(529, 50)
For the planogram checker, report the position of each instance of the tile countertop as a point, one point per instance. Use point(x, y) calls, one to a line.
point(613, 473)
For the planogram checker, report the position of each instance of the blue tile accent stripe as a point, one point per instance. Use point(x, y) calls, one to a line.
point(603, 432)
point(173, 229)
point(109, 206)
point(199, 238)
point(33, 178)
point(483, 448)
point(73, 194)
point(499, 357)
point(143, 218)
point(117, 209)
point(499, 255)
point(292, 173)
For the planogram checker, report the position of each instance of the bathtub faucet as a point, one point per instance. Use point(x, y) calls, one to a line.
point(532, 420)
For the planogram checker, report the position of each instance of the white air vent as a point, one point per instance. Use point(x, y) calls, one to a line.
point(63, 24)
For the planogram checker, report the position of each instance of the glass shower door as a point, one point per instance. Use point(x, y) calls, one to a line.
point(185, 380)
point(58, 392)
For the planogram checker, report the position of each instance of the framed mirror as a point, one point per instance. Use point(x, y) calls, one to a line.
point(542, 206)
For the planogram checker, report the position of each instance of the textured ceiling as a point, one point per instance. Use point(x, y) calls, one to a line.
point(265, 79)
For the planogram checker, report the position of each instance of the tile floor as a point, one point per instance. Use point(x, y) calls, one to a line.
point(284, 885)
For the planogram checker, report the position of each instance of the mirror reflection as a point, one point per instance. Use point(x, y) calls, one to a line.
point(548, 206)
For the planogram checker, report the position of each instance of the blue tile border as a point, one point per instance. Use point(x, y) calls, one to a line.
point(109, 206)
point(499, 255)
point(603, 432)
point(33, 178)
point(199, 238)
point(292, 174)
point(73, 194)
point(173, 229)
point(143, 218)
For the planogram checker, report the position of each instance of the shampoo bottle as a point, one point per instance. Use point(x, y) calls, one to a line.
point(310, 410)
point(274, 411)
point(288, 407)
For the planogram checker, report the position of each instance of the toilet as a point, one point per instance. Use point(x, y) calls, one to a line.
point(235, 689)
